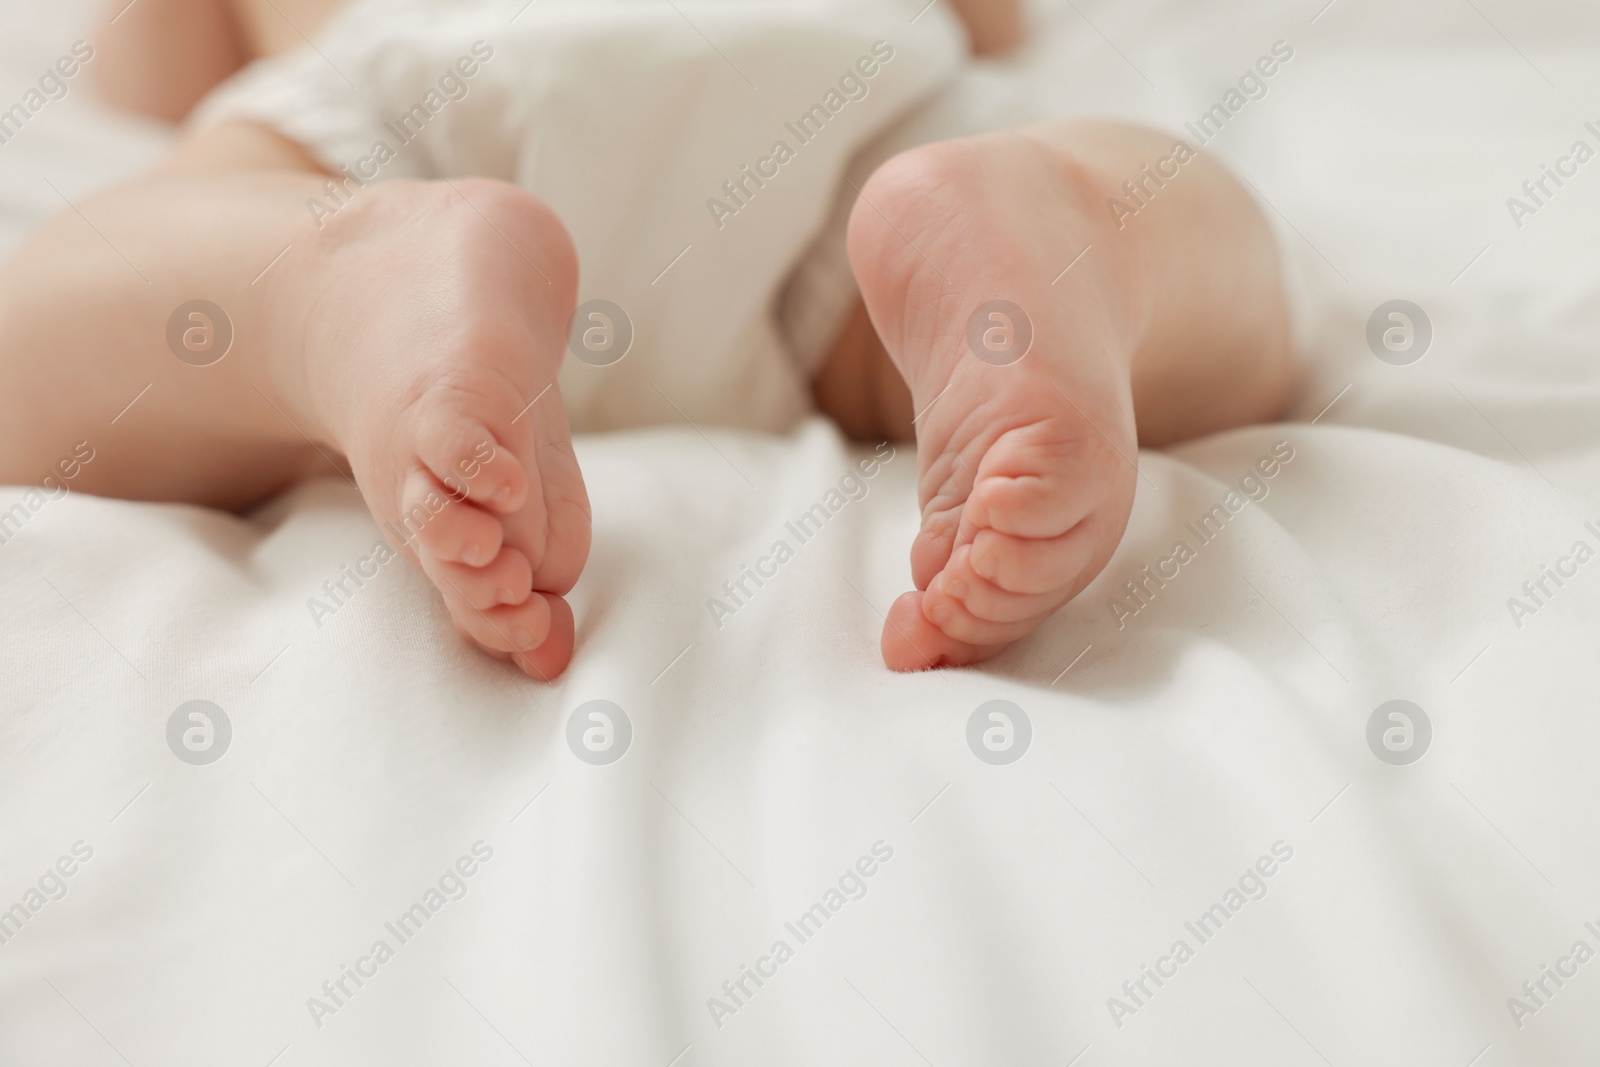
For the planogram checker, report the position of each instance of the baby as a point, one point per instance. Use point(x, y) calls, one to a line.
point(1007, 311)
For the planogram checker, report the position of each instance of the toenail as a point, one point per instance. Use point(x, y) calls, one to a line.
point(939, 615)
point(955, 588)
point(984, 564)
point(503, 497)
point(469, 555)
point(522, 637)
point(503, 596)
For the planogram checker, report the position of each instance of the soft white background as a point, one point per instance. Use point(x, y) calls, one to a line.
point(372, 752)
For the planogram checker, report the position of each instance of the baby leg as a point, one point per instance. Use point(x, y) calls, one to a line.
point(410, 343)
point(994, 26)
point(1147, 327)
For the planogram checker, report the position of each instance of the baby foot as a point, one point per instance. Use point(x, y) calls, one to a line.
point(1025, 447)
point(431, 364)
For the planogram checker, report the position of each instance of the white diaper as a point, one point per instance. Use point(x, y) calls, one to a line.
point(694, 149)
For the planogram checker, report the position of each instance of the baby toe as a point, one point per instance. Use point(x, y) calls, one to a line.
point(931, 549)
point(471, 462)
point(446, 527)
point(1033, 505)
point(514, 628)
point(552, 656)
point(955, 620)
point(1032, 565)
point(959, 584)
point(911, 643)
point(507, 579)
point(556, 535)
point(546, 662)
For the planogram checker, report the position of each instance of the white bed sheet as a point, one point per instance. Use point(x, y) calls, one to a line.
point(1168, 756)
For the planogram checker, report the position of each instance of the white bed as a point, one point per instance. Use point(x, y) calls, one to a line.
point(768, 756)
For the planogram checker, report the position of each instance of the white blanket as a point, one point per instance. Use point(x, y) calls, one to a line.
point(1198, 771)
